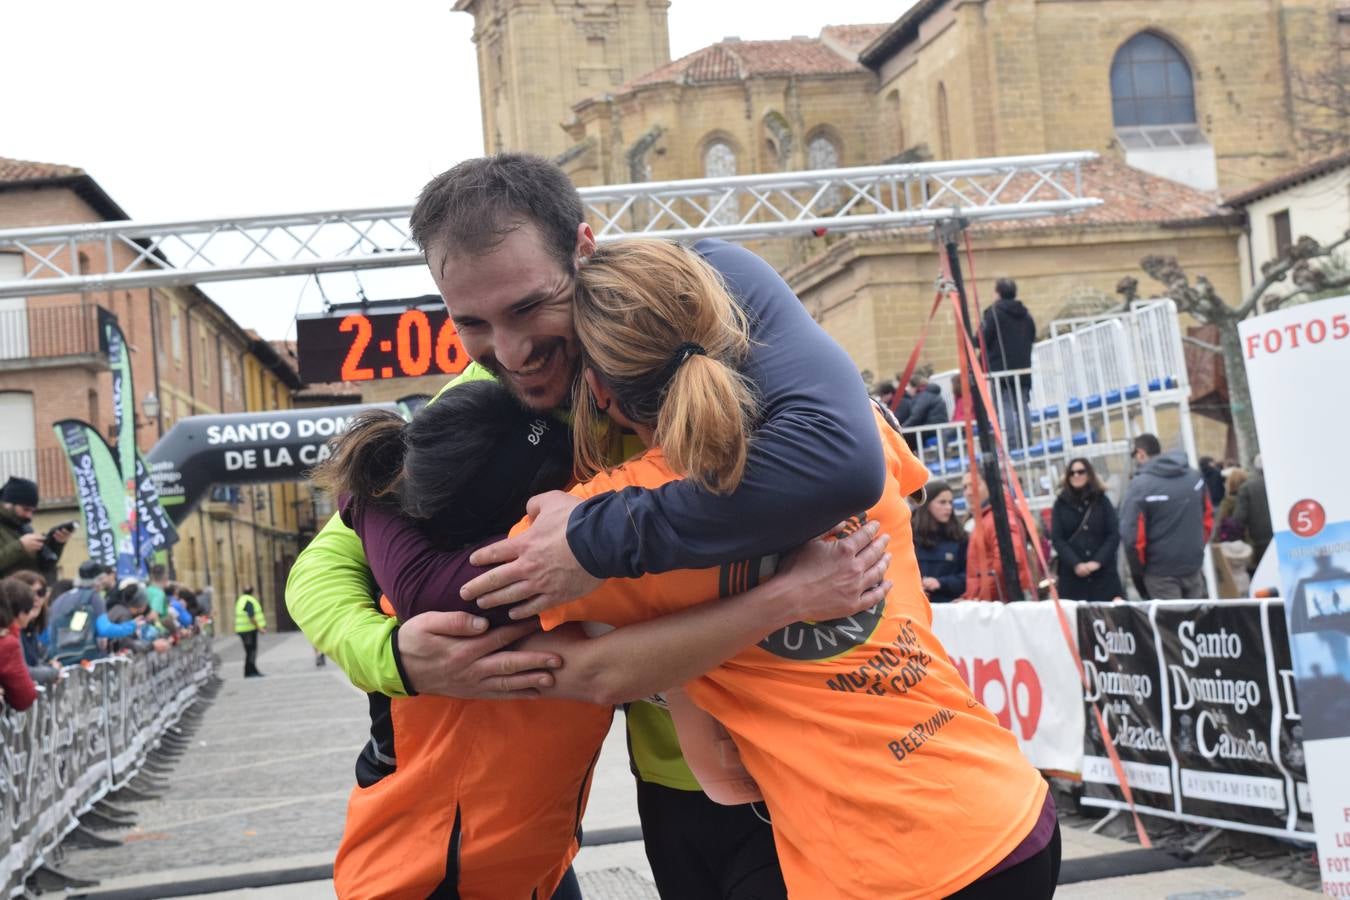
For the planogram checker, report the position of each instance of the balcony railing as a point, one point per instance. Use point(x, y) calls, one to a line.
point(48, 332)
point(47, 467)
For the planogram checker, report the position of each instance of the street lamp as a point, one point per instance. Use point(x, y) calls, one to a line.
point(150, 405)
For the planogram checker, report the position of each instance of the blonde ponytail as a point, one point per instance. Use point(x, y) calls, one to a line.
point(639, 305)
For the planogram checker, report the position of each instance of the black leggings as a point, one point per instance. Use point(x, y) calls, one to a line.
point(1031, 879)
point(701, 850)
point(569, 888)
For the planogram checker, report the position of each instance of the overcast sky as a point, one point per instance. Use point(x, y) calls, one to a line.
point(184, 109)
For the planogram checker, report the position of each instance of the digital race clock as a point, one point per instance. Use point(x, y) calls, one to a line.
point(365, 342)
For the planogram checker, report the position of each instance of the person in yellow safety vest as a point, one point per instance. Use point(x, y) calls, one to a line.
point(249, 622)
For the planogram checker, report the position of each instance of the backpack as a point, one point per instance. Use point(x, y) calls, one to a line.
point(75, 636)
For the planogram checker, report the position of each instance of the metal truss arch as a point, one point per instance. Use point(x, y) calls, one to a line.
point(65, 259)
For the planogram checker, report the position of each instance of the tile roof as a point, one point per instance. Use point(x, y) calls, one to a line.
point(15, 170)
point(835, 53)
point(1314, 169)
point(851, 39)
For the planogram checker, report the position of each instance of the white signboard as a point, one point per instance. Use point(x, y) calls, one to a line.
point(1015, 659)
point(1298, 367)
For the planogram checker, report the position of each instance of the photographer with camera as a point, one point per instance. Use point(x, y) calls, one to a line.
point(21, 548)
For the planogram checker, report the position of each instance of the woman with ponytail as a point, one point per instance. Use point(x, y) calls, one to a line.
point(884, 777)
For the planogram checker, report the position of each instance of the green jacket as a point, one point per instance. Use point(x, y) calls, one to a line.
point(13, 558)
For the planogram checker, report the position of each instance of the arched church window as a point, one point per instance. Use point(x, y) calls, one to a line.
point(719, 161)
point(1151, 84)
point(823, 153)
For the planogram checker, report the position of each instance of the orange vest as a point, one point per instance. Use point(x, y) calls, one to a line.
point(487, 796)
point(884, 776)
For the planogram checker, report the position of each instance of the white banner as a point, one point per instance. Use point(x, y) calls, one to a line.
point(1015, 659)
point(1298, 361)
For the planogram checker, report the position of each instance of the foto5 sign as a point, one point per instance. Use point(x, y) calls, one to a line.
point(1298, 366)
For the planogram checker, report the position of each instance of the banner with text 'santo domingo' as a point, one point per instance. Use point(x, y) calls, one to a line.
point(1120, 657)
point(1221, 713)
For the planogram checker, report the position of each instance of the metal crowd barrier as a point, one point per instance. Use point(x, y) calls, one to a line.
point(86, 736)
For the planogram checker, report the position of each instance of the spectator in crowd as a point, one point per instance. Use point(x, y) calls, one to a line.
point(984, 564)
point(249, 622)
point(21, 548)
point(1252, 514)
point(77, 615)
point(155, 590)
point(940, 545)
point(886, 393)
point(180, 608)
point(903, 400)
point(1226, 527)
point(959, 402)
point(16, 599)
point(1214, 480)
point(928, 408)
point(1009, 331)
point(1165, 521)
point(1085, 532)
point(33, 631)
point(129, 622)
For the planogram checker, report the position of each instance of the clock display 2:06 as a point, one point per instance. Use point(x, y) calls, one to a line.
point(417, 346)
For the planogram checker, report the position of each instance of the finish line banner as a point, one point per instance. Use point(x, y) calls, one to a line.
point(1199, 699)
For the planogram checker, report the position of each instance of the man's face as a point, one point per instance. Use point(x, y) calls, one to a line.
point(21, 512)
point(512, 308)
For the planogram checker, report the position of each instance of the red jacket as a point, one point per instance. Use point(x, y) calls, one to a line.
point(20, 692)
point(984, 567)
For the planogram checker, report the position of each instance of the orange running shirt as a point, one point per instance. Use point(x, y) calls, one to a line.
point(484, 803)
point(884, 776)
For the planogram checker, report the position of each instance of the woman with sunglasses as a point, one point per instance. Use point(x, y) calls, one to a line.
point(33, 630)
point(1086, 533)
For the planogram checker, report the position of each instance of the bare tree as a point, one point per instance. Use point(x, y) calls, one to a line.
point(1312, 270)
point(1322, 99)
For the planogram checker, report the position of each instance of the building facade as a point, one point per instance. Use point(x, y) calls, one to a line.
point(188, 357)
point(1182, 100)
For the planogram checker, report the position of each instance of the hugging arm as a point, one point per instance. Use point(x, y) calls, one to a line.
point(823, 580)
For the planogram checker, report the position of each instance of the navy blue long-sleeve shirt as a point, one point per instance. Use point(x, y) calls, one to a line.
point(814, 460)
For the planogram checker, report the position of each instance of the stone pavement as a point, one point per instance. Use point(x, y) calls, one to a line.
point(264, 788)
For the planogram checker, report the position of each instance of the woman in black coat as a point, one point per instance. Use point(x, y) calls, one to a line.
point(940, 545)
point(1086, 534)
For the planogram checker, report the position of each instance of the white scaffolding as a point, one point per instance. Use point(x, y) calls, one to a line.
point(66, 259)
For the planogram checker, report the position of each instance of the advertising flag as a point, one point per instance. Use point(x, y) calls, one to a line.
point(98, 484)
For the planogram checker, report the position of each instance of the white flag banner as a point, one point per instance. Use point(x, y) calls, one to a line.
point(1015, 659)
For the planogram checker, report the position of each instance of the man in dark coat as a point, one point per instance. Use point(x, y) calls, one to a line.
point(1214, 481)
point(1009, 331)
point(1253, 513)
point(21, 548)
point(1165, 522)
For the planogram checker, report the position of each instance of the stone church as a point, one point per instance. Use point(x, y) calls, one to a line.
point(1186, 102)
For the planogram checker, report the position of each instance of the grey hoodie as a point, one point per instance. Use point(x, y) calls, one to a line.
point(1166, 513)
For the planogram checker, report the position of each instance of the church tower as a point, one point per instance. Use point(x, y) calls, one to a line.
point(538, 57)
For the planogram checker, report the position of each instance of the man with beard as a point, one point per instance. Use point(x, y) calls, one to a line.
point(21, 548)
point(503, 237)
